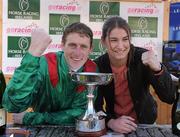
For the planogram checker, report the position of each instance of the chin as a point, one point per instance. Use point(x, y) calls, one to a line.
point(76, 67)
point(78, 64)
point(119, 57)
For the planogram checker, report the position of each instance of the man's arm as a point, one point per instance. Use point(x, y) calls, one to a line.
point(67, 116)
point(25, 81)
point(26, 78)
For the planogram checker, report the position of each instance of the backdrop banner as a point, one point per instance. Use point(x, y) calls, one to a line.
point(21, 17)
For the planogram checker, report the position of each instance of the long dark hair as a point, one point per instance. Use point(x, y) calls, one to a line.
point(117, 22)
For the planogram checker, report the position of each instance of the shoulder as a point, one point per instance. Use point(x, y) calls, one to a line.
point(51, 56)
point(103, 63)
point(49, 59)
point(102, 59)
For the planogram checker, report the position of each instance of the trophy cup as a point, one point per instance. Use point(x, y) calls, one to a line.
point(91, 124)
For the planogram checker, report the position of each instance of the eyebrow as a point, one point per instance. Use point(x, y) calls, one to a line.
point(116, 37)
point(72, 43)
point(126, 37)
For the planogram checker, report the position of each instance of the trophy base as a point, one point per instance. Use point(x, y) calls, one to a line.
point(91, 134)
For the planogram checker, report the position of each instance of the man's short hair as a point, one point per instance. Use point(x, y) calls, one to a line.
point(80, 28)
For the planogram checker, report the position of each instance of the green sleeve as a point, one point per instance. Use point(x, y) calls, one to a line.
point(25, 81)
point(63, 117)
point(67, 116)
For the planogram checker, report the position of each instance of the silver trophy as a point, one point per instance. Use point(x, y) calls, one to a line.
point(91, 123)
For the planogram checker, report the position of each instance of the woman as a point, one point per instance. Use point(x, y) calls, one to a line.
point(127, 97)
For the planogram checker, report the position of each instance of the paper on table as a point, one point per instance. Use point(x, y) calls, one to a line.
point(113, 134)
point(17, 132)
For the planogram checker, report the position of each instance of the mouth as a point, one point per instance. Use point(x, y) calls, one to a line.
point(119, 51)
point(76, 59)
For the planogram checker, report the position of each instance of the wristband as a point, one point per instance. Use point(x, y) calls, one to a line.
point(157, 73)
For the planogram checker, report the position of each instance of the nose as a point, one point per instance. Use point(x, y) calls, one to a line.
point(77, 50)
point(120, 44)
point(117, 45)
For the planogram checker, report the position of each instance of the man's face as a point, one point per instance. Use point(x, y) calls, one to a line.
point(76, 50)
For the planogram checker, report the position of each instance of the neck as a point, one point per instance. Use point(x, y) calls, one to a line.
point(118, 62)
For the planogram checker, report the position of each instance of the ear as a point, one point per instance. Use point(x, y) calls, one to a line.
point(91, 48)
point(62, 46)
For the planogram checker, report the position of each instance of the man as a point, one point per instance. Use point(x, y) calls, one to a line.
point(43, 81)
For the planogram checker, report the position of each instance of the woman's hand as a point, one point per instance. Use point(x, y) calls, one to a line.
point(150, 59)
point(123, 124)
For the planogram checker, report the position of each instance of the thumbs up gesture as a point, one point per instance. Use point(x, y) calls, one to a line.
point(150, 59)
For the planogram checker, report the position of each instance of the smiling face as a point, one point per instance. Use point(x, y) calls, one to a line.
point(118, 45)
point(76, 50)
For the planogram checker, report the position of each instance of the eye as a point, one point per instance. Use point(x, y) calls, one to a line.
point(113, 40)
point(84, 46)
point(126, 39)
point(72, 45)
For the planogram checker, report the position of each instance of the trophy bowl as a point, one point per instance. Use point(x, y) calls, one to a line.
point(91, 124)
point(91, 78)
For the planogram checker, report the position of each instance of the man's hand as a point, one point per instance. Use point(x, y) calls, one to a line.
point(150, 59)
point(40, 40)
point(124, 124)
point(18, 117)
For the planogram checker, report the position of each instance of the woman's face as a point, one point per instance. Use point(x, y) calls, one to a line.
point(117, 44)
